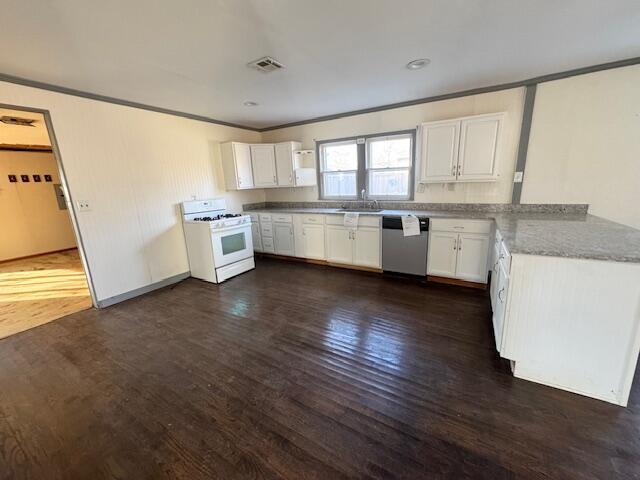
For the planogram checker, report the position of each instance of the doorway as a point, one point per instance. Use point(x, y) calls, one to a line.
point(43, 273)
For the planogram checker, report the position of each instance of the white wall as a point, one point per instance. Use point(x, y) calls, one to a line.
point(510, 101)
point(134, 167)
point(31, 221)
point(585, 144)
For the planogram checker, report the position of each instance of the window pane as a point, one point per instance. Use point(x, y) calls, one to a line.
point(390, 153)
point(342, 184)
point(339, 157)
point(389, 183)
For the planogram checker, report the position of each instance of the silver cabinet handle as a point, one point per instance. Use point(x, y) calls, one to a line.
point(459, 168)
point(453, 170)
point(500, 294)
point(460, 244)
point(455, 243)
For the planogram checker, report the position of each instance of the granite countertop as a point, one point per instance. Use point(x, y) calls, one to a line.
point(569, 235)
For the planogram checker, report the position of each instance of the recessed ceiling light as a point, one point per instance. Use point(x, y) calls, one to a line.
point(418, 63)
point(249, 103)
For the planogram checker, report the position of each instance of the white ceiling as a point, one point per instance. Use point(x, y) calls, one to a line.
point(340, 55)
point(19, 135)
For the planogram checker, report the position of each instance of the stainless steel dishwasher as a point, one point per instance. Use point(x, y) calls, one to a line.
point(404, 254)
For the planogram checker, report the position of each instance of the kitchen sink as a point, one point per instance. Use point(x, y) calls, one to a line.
point(363, 210)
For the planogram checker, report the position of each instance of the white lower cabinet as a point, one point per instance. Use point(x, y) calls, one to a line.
point(360, 247)
point(283, 239)
point(256, 237)
point(339, 244)
point(459, 249)
point(313, 241)
point(502, 288)
point(442, 254)
point(367, 248)
point(473, 250)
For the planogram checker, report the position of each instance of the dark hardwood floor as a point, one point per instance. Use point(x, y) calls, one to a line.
point(294, 371)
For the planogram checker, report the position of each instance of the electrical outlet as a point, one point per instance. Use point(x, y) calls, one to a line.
point(83, 206)
point(517, 177)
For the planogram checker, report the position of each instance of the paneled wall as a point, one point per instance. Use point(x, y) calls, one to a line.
point(585, 144)
point(133, 167)
point(509, 101)
point(30, 218)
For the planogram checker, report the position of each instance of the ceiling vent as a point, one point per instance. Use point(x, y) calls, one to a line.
point(23, 122)
point(265, 64)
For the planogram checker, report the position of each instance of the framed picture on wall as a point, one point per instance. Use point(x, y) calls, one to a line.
point(47, 178)
point(24, 178)
point(13, 178)
point(36, 178)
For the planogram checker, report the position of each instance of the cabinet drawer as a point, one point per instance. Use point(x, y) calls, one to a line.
point(460, 226)
point(266, 229)
point(313, 219)
point(281, 217)
point(267, 245)
point(265, 217)
point(363, 220)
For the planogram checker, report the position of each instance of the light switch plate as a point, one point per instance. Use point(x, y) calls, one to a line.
point(517, 177)
point(83, 206)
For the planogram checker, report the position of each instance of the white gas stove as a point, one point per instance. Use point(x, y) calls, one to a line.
point(219, 244)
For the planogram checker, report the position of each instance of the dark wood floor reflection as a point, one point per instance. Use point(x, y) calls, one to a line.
point(294, 371)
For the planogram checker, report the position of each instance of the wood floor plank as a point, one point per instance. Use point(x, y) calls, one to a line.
point(39, 289)
point(294, 371)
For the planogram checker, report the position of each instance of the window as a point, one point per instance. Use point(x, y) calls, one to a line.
point(381, 165)
point(339, 169)
point(389, 166)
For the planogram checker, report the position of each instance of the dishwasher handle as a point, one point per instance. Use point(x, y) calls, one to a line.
point(395, 223)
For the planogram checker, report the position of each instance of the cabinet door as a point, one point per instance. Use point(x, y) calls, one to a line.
point(493, 289)
point(339, 245)
point(313, 238)
point(244, 170)
point(440, 151)
point(473, 250)
point(366, 251)
point(478, 146)
point(284, 164)
point(298, 236)
point(283, 239)
point(441, 259)
point(263, 160)
point(501, 306)
point(256, 237)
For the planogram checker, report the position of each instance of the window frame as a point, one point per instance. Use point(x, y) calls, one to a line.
point(362, 175)
point(321, 167)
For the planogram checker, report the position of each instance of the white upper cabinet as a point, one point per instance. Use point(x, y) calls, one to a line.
point(236, 164)
point(267, 165)
point(478, 146)
point(285, 163)
point(461, 149)
point(440, 142)
point(263, 161)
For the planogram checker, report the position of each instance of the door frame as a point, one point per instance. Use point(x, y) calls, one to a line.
point(65, 186)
